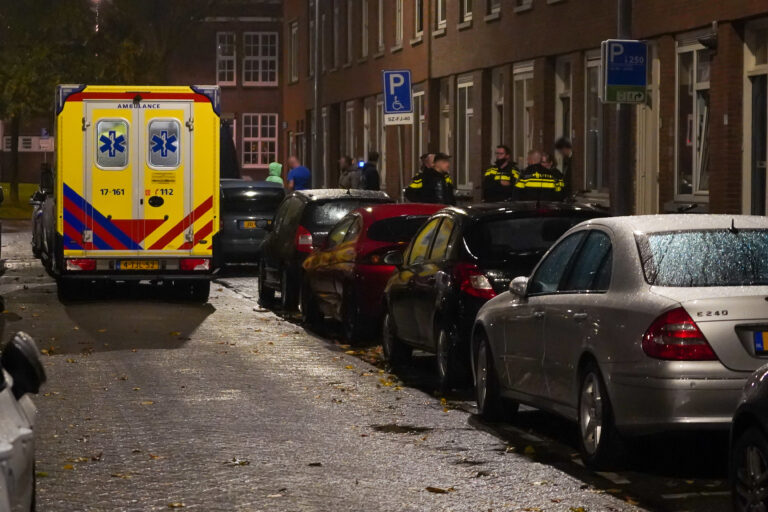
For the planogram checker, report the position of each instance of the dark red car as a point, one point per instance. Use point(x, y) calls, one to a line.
point(345, 278)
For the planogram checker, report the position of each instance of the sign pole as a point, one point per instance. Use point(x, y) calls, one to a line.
point(621, 186)
point(402, 161)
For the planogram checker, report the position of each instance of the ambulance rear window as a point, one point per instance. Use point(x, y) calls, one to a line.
point(112, 144)
point(164, 144)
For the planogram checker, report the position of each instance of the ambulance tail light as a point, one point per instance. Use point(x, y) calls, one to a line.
point(195, 264)
point(303, 240)
point(80, 264)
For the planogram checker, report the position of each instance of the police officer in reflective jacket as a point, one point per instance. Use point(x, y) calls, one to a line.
point(413, 190)
point(539, 183)
point(436, 183)
point(499, 180)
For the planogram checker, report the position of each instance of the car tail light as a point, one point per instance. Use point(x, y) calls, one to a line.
point(675, 336)
point(193, 264)
point(473, 282)
point(81, 264)
point(303, 240)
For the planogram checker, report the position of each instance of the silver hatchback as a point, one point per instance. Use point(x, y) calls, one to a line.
point(631, 325)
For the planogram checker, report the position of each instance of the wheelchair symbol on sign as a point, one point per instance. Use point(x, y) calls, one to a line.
point(397, 105)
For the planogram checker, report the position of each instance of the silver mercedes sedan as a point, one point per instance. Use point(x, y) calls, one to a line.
point(630, 325)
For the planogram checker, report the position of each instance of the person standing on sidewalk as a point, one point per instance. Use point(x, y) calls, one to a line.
point(349, 176)
point(275, 173)
point(499, 179)
point(299, 177)
point(413, 191)
point(437, 186)
point(565, 149)
point(370, 178)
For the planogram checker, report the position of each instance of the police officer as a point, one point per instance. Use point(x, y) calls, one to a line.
point(499, 180)
point(436, 183)
point(413, 191)
point(539, 183)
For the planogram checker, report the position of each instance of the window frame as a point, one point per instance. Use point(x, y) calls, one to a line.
point(601, 183)
point(418, 19)
point(582, 233)
point(179, 161)
point(463, 169)
point(571, 268)
point(96, 132)
point(294, 53)
point(260, 58)
point(419, 127)
point(428, 250)
point(492, 7)
point(441, 15)
point(258, 140)
point(445, 256)
point(465, 11)
point(226, 58)
point(380, 22)
point(398, 24)
point(365, 36)
point(522, 76)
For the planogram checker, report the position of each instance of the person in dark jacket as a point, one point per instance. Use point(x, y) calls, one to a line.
point(499, 179)
point(413, 190)
point(370, 179)
point(539, 183)
point(565, 149)
point(437, 186)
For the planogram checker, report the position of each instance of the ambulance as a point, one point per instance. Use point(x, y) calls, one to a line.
point(136, 187)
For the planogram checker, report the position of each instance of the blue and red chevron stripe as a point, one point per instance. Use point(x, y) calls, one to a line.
point(106, 235)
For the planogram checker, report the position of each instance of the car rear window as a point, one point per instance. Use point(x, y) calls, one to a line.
point(705, 258)
point(505, 238)
point(396, 229)
point(251, 200)
point(326, 214)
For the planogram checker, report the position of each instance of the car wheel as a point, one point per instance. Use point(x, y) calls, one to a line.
point(354, 327)
point(749, 471)
point(266, 295)
point(310, 313)
point(599, 441)
point(396, 353)
point(449, 365)
point(288, 291)
point(490, 405)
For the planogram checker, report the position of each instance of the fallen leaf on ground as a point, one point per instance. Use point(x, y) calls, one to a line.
point(529, 450)
point(153, 456)
point(274, 495)
point(349, 367)
point(175, 333)
point(237, 462)
point(176, 504)
point(439, 490)
point(101, 330)
point(41, 474)
point(97, 457)
point(70, 360)
point(315, 464)
point(136, 389)
point(577, 509)
point(124, 476)
point(69, 466)
point(147, 402)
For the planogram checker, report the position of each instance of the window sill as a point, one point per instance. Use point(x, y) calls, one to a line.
point(523, 8)
point(347, 65)
point(464, 25)
point(397, 48)
point(492, 16)
point(550, 2)
point(362, 60)
point(417, 40)
point(293, 82)
point(226, 85)
point(440, 32)
point(259, 86)
point(379, 54)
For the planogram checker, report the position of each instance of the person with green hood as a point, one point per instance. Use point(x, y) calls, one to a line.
point(275, 173)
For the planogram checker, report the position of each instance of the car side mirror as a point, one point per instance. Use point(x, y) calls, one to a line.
point(37, 198)
point(393, 258)
point(519, 286)
point(21, 359)
point(2, 195)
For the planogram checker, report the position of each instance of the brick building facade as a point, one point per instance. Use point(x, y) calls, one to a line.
point(525, 72)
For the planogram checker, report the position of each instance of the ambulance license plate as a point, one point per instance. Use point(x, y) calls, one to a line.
point(249, 224)
point(138, 265)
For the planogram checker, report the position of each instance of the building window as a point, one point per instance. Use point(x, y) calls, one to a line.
point(259, 140)
point(563, 78)
point(260, 59)
point(398, 23)
point(465, 13)
point(311, 41)
point(497, 109)
point(335, 27)
point(464, 114)
point(367, 142)
point(441, 14)
point(349, 128)
point(692, 151)
point(323, 39)
point(493, 7)
point(365, 33)
point(226, 55)
point(522, 5)
point(349, 31)
point(418, 18)
point(756, 117)
point(380, 36)
point(595, 178)
point(294, 51)
point(523, 112)
point(419, 129)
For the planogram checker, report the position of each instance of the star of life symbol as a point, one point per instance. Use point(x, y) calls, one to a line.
point(163, 143)
point(112, 143)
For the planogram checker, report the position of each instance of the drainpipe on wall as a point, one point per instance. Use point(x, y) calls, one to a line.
point(316, 157)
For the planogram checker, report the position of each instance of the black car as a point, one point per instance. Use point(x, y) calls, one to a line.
point(461, 258)
point(247, 211)
point(302, 224)
point(749, 446)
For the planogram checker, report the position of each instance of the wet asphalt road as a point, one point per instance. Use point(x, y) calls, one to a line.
point(153, 403)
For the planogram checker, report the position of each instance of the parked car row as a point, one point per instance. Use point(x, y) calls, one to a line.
point(625, 325)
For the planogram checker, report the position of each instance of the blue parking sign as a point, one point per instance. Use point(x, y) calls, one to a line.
point(398, 104)
point(625, 71)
